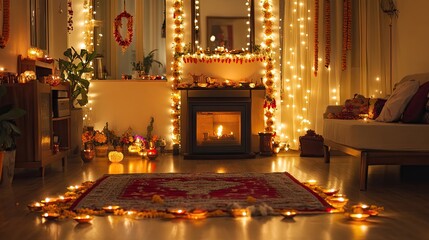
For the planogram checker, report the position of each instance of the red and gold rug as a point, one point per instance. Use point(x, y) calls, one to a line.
point(209, 191)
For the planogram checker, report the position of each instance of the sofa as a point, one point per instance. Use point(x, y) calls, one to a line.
point(398, 135)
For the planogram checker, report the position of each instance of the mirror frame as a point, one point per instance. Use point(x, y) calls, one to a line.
point(197, 36)
point(39, 37)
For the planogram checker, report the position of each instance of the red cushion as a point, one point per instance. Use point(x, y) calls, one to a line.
point(416, 107)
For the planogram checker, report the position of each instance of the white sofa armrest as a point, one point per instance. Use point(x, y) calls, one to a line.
point(333, 109)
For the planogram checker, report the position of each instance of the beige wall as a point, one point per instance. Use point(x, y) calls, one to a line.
point(411, 47)
point(131, 103)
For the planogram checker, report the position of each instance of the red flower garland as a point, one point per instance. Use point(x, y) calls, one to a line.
point(5, 29)
point(124, 43)
point(70, 16)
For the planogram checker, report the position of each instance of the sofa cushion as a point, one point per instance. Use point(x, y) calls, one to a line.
point(397, 102)
point(416, 107)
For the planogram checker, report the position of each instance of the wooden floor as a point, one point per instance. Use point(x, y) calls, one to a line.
point(404, 193)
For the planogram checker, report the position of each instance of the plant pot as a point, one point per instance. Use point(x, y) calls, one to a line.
point(87, 155)
point(101, 151)
point(8, 167)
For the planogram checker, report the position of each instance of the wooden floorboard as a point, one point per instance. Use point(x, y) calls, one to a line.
point(404, 195)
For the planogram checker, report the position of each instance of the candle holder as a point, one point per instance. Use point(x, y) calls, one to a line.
point(178, 212)
point(83, 218)
point(330, 192)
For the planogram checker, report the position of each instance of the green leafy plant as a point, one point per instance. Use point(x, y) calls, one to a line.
point(148, 60)
point(74, 69)
point(8, 128)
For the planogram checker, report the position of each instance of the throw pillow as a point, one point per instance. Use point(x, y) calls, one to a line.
point(397, 102)
point(416, 107)
point(356, 106)
point(375, 107)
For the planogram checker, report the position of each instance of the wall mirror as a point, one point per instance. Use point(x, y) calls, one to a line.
point(224, 23)
point(39, 24)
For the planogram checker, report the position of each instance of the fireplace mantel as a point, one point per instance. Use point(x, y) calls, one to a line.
point(218, 97)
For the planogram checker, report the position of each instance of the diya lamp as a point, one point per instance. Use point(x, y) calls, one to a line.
point(73, 188)
point(50, 215)
point(35, 207)
point(177, 211)
point(83, 218)
point(241, 212)
point(358, 216)
point(311, 182)
point(197, 214)
point(110, 209)
point(288, 213)
point(48, 201)
point(330, 191)
point(338, 202)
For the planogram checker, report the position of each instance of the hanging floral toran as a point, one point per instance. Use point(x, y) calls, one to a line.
point(5, 28)
point(270, 101)
point(316, 37)
point(70, 16)
point(347, 32)
point(328, 33)
point(124, 43)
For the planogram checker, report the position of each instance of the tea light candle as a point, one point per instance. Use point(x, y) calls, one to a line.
point(83, 219)
point(288, 213)
point(35, 206)
point(359, 216)
point(241, 212)
point(110, 209)
point(252, 85)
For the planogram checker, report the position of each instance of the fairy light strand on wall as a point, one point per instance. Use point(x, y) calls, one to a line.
point(178, 46)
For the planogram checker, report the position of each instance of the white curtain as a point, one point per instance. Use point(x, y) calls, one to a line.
point(305, 96)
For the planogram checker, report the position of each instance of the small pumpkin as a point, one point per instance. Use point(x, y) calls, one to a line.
point(115, 156)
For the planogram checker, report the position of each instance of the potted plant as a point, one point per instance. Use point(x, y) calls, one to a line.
point(100, 143)
point(74, 70)
point(148, 60)
point(8, 132)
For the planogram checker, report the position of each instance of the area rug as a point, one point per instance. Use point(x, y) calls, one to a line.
point(209, 191)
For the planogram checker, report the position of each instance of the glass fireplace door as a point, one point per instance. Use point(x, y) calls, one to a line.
point(218, 128)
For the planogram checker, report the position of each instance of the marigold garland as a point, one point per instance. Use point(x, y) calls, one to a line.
point(328, 33)
point(316, 37)
point(124, 43)
point(347, 21)
point(5, 29)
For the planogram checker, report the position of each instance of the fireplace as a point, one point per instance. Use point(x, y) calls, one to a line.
point(217, 124)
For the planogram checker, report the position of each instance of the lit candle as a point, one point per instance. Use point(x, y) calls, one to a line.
point(197, 214)
point(177, 211)
point(83, 219)
point(359, 216)
point(241, 212)
point(110, 209)
point(330, 191)
point(51, 215)
point(288, 213)
point(338, 202)
point(312, 182)
point(35, 206)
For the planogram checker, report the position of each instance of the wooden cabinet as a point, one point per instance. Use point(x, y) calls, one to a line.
point(44, 138)
point(40, 68)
